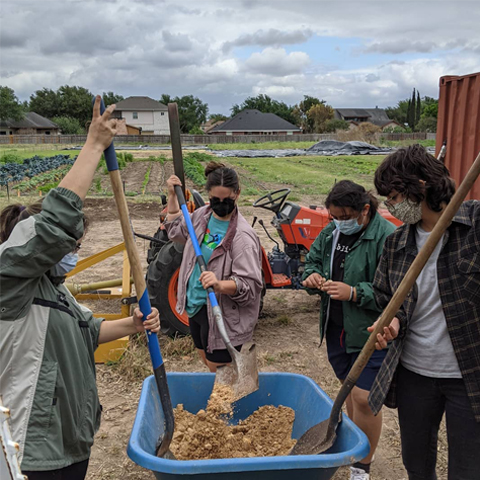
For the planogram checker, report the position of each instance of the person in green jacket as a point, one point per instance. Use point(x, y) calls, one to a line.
point(47, 340)
point(340, 267)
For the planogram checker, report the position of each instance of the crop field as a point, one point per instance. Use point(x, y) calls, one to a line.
point(287, 335)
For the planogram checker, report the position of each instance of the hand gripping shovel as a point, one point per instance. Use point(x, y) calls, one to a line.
point(321, 437)
point(162, 449)
point(242, 373)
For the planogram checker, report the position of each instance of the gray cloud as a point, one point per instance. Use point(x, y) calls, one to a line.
point(269, 38)
point(145, 47)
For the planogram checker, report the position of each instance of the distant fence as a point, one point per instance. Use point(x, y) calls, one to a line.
point(198, 139)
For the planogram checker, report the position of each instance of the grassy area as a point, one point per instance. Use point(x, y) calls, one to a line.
point(310, 175)
point(260, 146)
point(23, 152)
point(405, 143)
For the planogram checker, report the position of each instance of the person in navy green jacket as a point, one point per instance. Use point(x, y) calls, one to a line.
point(340, 267)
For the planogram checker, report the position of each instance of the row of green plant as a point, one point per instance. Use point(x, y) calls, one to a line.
point(194, 170)
point(122, 159)
point(147, 178)
point(43, 182)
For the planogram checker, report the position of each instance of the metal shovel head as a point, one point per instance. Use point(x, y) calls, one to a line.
point(317, 439)
point(242, 373)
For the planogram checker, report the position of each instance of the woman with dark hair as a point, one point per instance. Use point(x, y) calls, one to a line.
point(47, 340)
point(340, 268)
point(433, 365)
point(232, 252)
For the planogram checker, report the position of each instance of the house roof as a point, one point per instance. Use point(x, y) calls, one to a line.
point(254, 121)
point(31, 120)
point(138, 104)
point(377, 116)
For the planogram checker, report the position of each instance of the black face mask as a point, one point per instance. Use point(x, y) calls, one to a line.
point(222, 207)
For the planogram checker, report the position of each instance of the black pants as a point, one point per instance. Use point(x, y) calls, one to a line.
point(77, 471)
point(422, 401)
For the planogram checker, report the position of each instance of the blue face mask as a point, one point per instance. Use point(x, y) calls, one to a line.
point(65, 265)
point(348, 227)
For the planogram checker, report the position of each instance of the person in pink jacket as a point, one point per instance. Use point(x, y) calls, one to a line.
point(232, 251)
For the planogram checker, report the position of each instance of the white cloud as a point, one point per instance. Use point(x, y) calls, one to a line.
point(277, 62)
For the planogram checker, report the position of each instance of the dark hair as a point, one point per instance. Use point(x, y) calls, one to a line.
point(12, 214)
point(218, 175)
point(348, 194)
point(402, 170)
point(15, 213)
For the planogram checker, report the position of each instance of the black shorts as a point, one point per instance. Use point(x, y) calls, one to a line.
point(199, 329)
point(342, 362)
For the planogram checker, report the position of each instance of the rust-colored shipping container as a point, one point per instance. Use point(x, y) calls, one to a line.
point(459, 125)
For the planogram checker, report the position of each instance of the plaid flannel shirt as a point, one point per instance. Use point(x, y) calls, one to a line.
point(458, 270)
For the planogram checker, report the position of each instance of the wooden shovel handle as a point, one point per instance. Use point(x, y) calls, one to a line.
point(414, 271)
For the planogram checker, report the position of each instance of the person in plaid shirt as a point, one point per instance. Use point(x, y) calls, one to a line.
point(433, 363)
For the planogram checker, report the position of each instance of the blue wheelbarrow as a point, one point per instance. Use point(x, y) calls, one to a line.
point(310, 403)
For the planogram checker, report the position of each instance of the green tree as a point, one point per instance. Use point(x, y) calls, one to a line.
point(75, 102)
point(301, 113)
point(69, 125)
point(418, 108)
point(398, 113)
point(331, 126)
point(109, 98)
point(427, 124)
point(192, 112)
point(216, 117)
point(10, 107)
point(165, 99)
point(429, 107)
point(412, 111)
point(266, 104)
point(319, 114)
point(45, 102)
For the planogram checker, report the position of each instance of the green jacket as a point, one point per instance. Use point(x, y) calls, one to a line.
point(47, 341)
point(360, 265)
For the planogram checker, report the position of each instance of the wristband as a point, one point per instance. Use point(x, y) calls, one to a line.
point(351, 294)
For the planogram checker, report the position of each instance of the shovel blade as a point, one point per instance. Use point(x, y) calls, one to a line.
point(242, 373)
point(317, 439)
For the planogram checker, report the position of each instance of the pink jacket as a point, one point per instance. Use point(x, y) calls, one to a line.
point(239, 254)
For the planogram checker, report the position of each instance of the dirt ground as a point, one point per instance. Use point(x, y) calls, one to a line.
point(287, 340)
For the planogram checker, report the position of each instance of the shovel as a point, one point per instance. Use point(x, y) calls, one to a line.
point(321, 436)
point(162, 449)
point(242, 374)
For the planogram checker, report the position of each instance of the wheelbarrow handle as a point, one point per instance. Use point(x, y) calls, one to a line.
point(217, 313)
point(142, 293)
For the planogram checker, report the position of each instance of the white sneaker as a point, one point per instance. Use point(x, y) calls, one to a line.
point(358, 474)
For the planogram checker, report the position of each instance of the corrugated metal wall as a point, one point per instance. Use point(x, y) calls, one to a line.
point(459, 124)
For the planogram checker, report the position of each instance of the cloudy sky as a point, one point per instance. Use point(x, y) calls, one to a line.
point(352, 54)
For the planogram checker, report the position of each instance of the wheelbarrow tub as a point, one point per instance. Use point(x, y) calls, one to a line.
point(310, 403)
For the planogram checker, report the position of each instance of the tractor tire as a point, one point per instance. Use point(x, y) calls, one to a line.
point(162, 283)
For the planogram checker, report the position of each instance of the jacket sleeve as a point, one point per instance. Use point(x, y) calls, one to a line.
point(314, 262)
point(177, 230)
point(247, 268)
point(383, 292)
point(365, 290)
point(35, 245)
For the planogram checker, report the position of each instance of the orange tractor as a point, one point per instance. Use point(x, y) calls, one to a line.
point(297, 227)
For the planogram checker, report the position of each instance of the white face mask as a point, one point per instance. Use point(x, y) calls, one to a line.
point(407, 211)
point(65, 265)
point(348, 227)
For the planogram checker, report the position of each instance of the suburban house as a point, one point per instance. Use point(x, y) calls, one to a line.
point(254, 122)
point(145, 114)
point(355, 116)
point(209, 124)
point(31, 124)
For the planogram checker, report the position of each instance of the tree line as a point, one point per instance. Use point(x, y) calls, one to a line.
point(70, 107)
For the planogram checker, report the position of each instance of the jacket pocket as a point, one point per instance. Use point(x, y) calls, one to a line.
point(44, 402)
point(469, 267)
